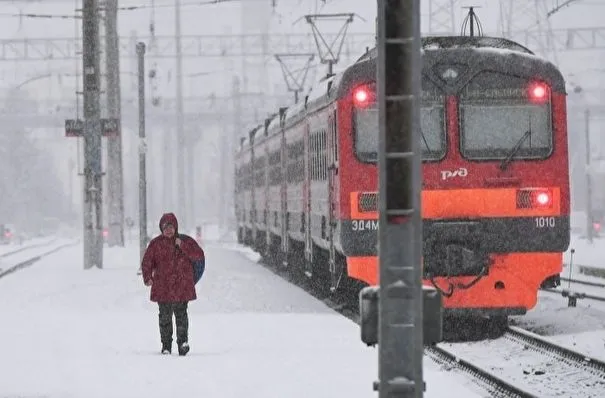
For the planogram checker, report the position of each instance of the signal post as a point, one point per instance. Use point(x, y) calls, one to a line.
point(392, 313)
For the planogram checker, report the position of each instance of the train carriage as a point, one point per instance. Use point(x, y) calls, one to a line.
point(295, 131)
point(243, 191)
point(259, 161)
point(495, 198)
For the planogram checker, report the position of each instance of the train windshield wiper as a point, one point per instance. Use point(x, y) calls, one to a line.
point(425, 141)
point(514, 150)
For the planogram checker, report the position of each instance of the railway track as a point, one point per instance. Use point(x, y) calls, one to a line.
point(582, 282)
point(489, 381)
point(539, 368)
point(22, 248)
point(29, 254)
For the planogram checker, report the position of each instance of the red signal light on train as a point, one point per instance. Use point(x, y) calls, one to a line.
point(364, 95)
point(538, 92)
point(361, 95)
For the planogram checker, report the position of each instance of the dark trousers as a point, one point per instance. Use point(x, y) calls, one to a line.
point(182, 322)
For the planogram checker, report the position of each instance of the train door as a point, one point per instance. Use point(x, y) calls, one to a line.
point(266, 181)
point(336, 267)
point(285, 219)
point(307, 204)
point(253, 166)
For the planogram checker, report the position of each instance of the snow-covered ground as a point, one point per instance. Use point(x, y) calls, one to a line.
point(586, 253)
point(68, 332)
point(581, 328)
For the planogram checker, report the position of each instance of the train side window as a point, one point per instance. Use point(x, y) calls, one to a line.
point(323, 155)
point(334, 138)
point(312, 155)
point(315, 157)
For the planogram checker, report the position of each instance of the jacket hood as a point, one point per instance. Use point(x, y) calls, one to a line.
point(169, 218)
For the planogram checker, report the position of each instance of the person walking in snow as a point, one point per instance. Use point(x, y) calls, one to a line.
point(167, 267)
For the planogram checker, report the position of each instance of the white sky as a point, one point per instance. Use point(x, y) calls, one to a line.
point(580, 67)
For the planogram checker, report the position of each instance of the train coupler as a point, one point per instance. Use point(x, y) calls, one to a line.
point(455, 260)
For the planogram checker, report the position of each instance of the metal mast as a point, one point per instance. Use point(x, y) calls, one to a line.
point(93, 197)
point(442, 16)
point(399, 180)
point(142, 151)
point(115, 173)
point(181, 193)
point(526, 21)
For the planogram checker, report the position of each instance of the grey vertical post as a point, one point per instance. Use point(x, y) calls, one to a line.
point(93, 194)
point(180, 133)
point(115, 173)
point(142, 150)
point(589, 216)
point(399, 232)
point(191, 135)
point(168, 168)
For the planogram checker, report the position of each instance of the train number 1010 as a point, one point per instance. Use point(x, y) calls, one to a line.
point(545, 222)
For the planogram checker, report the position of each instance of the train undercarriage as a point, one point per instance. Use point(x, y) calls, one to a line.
point(473, 283)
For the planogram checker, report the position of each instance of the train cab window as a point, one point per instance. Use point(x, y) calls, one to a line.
point(260, 170)
point(323, 155)
point(295, 158)
point(432, 124)
point(500, 113)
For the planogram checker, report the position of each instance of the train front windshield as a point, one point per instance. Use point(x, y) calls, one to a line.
point(499, 115)
point(432, 124)
point(499, 112)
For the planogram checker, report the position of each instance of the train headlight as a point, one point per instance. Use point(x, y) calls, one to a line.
point(542, 199)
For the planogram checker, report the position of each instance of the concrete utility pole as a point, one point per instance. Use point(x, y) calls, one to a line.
point(142, 150)
point(93, 195)
point(589, 215)
point(181, 192)
point(115, 173)
point(400, 310)
point(168, 169)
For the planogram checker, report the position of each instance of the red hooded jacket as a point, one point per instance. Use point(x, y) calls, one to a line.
point(170, 268)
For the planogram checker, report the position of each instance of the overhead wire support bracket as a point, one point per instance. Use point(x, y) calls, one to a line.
point(294, 83)
point(559, 7)
point(331, 55)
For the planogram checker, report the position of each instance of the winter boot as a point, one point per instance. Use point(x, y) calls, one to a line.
point(166, 349)
point(183, 349)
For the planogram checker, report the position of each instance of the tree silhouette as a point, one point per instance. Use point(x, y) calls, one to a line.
point(30, 189)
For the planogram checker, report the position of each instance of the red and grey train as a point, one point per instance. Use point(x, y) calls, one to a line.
point(495, 197)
